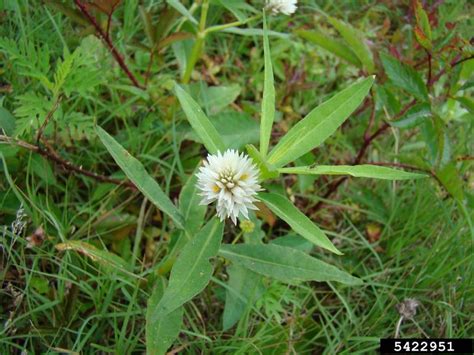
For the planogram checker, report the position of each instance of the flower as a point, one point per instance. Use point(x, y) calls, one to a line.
point(231, 179)
point(286, 7)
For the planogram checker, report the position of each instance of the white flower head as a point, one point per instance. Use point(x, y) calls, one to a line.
point(286, 7)
point(231, 179)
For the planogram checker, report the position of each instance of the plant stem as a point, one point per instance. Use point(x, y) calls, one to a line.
point(232, 24)
point(106, 38)
point(49, 153)
point(198, 44)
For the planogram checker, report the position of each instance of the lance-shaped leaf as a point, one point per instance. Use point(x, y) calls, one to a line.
point(319, 124)
point(161, 331)
point(192, 270)
point(330, 44)
point(367, 171)
point(284, 264)
point(268, 101)
point(200, 122)
point(189, 206)
point(136, 172)
point(301, 224)
point(356, 42)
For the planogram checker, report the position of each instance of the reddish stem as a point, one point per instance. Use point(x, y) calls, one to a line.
point(106, 38)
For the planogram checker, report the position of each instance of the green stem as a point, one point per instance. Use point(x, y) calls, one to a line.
point(198, 44)
point(194, 57)
point(232, 24)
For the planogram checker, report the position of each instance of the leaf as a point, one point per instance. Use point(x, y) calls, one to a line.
point(466, 102)
point(141, 179)
point(192, 270)
point(368, 171)
point(31, 112)
point(245, 286)
point(237, 7)
point(451, 180)
point(423, 28)
point(189, 206)
point(161, 331)
point(356, 42)
point(301, 224)
point(404, 77)
point(319, 124)
point(176, 4)
point(254, 32)
point(111, 261)
point(414, 116)
point(268, 100)
point(199, 121)
point(267, 171)
point(284, 264)
point(213, 99)
point(330, 44)
point(294, 241)
point(236, 129)
point(42, 168)
point(7, 122)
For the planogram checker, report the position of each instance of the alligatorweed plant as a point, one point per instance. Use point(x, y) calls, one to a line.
point(199, 242)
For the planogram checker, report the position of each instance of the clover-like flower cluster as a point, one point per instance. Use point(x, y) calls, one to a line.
point(231, 179)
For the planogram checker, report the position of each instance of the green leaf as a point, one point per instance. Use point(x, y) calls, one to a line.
point(356, 42)
point(423, 27)
point(284, 264)
point(404, 77)
point(301, 224)
point(161, 331)
point(141, 179)
point(7, 122)
point(330, 44)
point(245, 286)
point(213, 99)
point(268, 100)
point(238, 8)
point(267, 171)
point(449, 177)
point(192, 270)
point(189, 206)
point(466, 102)
point(414, 116)
point(319, 124)
point(367, 171)
point(294, 241)
point(199, 121)
point(176, 4)
point(41, 167)
point(235, 128)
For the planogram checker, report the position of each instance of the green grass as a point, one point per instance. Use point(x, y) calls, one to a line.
point(54, 301)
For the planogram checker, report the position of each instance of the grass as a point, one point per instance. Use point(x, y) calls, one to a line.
point(406, 240)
